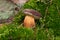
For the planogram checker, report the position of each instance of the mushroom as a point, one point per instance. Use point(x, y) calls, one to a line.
point(31, 15)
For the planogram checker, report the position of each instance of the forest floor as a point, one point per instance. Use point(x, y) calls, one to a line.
point(47, 27)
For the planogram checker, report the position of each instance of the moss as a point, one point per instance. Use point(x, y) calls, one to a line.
point(47, 27)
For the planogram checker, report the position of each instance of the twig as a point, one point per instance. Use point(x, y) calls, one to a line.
point(58, 10)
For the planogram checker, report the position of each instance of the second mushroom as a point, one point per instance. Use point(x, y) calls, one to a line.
point(31, 15)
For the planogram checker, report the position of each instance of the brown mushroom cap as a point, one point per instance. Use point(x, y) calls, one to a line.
point(32, 12)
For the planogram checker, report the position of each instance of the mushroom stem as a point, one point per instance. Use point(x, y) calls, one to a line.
point(29, 22)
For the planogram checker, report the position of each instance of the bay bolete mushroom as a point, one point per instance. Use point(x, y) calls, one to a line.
point(31, 15)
